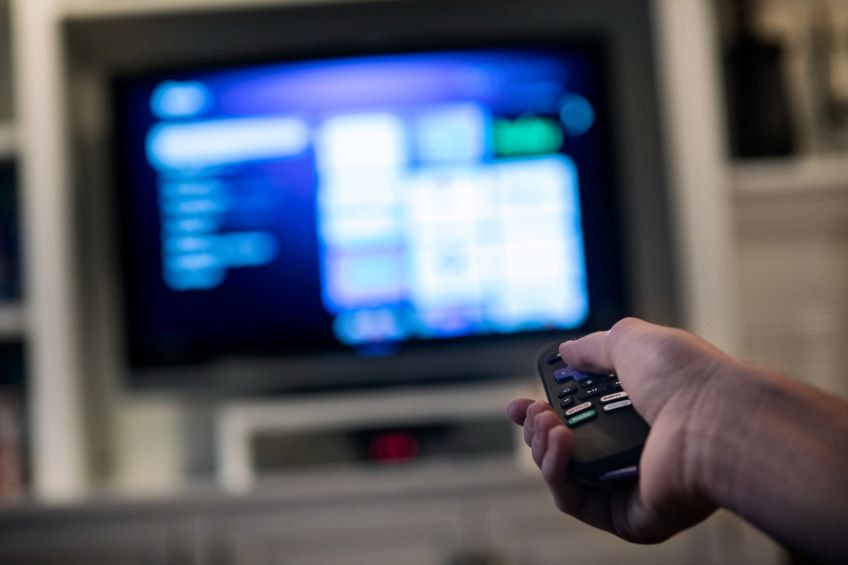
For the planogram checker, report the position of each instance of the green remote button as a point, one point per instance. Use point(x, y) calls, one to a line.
point(580, 418)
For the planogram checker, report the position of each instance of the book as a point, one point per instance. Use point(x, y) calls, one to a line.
point(10, 446)
point(10, 265)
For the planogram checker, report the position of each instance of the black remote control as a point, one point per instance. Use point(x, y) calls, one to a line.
point(609, 433)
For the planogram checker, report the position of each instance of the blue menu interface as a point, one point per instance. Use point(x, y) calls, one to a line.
point(357, 201)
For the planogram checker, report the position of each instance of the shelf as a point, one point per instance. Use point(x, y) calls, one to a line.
point(11, 321)
point(8, 141)
point(796, 175)
point(87, 9)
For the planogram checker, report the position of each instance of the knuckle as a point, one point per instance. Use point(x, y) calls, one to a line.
point(537, 457)
point(627, 320)
point(625, 324)
point(560, 503)
point(669, 346)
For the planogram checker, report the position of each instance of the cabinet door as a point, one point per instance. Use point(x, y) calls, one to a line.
point(412, 531)
point(88, 544)
point(527, 529)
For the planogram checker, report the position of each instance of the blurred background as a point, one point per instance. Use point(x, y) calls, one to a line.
point(271, 269)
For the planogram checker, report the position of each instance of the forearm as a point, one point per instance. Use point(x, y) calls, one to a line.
point(781, 462)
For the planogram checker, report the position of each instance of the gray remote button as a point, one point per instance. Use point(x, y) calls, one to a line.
point(613, 396)
point(611, 407)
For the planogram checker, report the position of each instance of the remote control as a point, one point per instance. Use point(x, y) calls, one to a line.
point(609, 433)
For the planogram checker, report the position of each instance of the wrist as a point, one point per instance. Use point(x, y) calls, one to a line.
point(722, 430)
point(776, 454)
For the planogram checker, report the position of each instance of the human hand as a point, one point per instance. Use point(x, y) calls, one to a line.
point(673, 379)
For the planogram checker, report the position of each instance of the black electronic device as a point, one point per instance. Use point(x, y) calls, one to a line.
point(609, 433)
point(230, 258)
point(261, 248)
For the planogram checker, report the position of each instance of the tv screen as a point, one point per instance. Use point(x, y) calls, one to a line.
point(366, 205)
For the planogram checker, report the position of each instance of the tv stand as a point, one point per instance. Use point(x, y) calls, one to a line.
point(347, 429)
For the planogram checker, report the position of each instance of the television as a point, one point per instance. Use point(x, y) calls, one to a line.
point(337, 219)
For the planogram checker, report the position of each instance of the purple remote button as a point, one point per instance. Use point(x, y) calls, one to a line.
point(623, 473)
point(563, 375)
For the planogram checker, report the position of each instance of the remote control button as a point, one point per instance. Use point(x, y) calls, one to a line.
point(566, 391)
point(617, 405)
point(569, 383)
point(614, 387)
point(553, 360)
point(623, 473)
point(580, 418)
point(579, 408)
point(589, 382)
point(589, 393)
point(614, 396)
point(566, 402)
point(563, 375)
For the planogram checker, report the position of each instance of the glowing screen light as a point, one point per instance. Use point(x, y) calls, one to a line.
point(527, 135)
point(173, 99)
point(577, 114)
point(389, 198)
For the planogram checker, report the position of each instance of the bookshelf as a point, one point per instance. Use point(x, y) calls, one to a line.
point(11, 321)
point(11, 308)
point(8, 141)
point(805, 174)
point(12, 333)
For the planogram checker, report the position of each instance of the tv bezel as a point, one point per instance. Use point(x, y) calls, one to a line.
point(192, 38)
point(468, 358)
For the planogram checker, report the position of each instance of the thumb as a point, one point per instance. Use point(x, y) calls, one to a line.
point(600, 351)
point(589, 353)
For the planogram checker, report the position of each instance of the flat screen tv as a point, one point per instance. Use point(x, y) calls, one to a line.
point(366, 219)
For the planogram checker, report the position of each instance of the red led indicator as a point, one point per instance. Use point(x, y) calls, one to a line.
point(393, 448)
